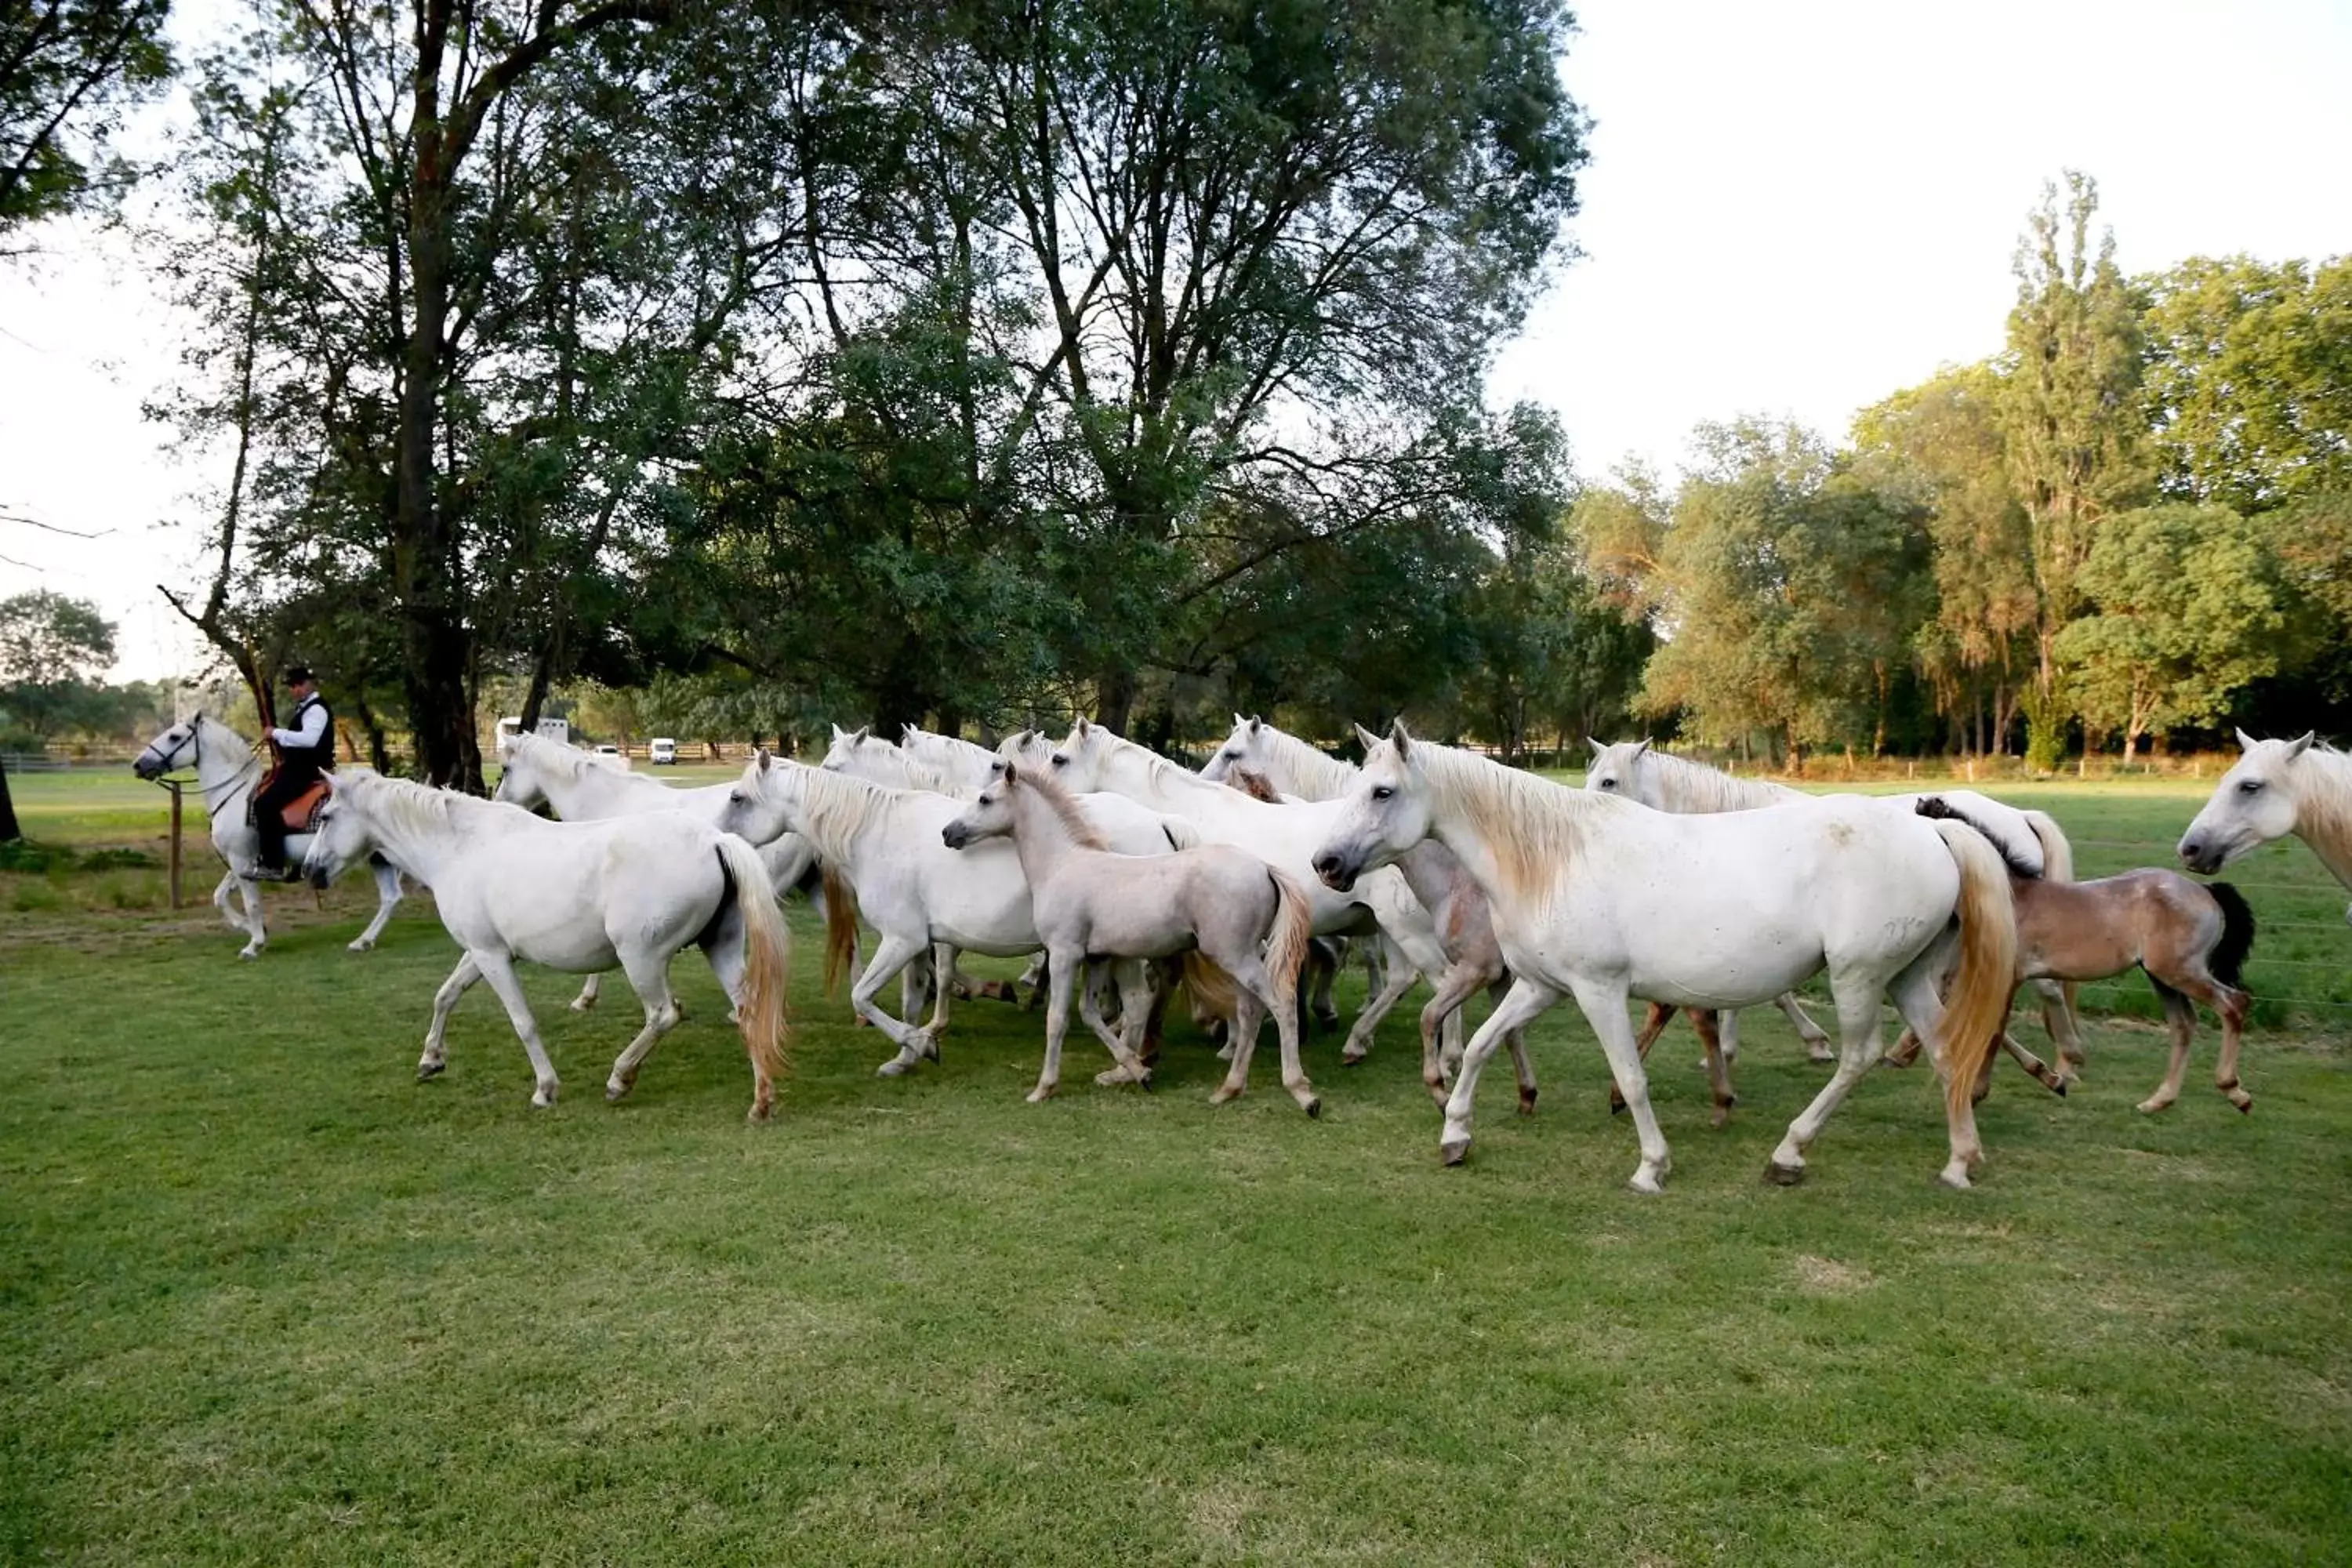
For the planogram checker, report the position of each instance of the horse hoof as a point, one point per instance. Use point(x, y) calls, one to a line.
point(1955, 1178)
point(1526, 1102)
point(248, 952)
point(1143, 1080)
point(362, 944)
point(543, 1099)
point(427, 1071)
point(2150, 1107)
point(1616, 1105)
point(1454, 1150)
point(2059, 1088)
point(927, 1041)
point(897, 1067)
point(2245, 1106)
point(1042, 1093)
point(1781, 1175)
point(1223, 1094)
point(1353, 1056)
point(1326, 1022)
point(1313, 1106)
point(613, 1092)
point(758, 1116)
point(1643, 1182)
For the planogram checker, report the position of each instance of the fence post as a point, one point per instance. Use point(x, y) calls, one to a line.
point(173, 784)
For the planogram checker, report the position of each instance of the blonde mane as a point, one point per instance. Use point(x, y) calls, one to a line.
point(2323, 807)
point(1534, 828)
point(1311, 774)
point(1697, 789)
point(838, 809)
point(1066, 807)
point(557, 757)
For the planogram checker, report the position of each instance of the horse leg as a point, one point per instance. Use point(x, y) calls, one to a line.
point(1525, 999)
point(498, 970)
point(2042, 1072)
point(895, 952)
point(1718, 1051)
point(2232, 1004)
point(1460, 982)
point(1248, 1013)
point(587, 997)
point(1325, 960)
point(1703, 1022)
point(235, 921)
point(943, 963)
point(1034, 978)
point(1816, 1038)
point(1061, 982)
point(1280, 996)
point(387, 899)
point(2059, 1022)
point(445, 1002)
point(648, 975)
point(1916, 998)
point(249, 895)
point(1604, 1005)
point(2181, 1018)
point(1517, 1040)
point(1130, 978)
point(1857, 1007)
point(1404, 966)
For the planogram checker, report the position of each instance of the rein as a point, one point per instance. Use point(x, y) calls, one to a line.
point(196, 744)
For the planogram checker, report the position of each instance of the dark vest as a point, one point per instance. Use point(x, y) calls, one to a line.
point(321, 757)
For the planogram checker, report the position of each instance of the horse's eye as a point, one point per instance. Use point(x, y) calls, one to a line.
point(735, 797)
point(1061, 760)
point(1608, 784)
point(2250, 786)
point(1382, 792)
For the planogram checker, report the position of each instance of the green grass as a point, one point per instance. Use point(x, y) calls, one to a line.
point(263, 1298)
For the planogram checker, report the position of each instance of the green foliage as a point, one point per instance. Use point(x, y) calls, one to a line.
point(2188, 611)
point(2250, 379)
point(1789, 586)
point(69, 70)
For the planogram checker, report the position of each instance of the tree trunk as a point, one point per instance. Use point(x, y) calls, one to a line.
point(1115, 701)
point(9, 831)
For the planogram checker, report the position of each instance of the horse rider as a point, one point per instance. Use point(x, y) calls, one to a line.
point(306, 749)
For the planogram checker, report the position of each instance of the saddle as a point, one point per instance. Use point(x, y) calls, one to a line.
point(299, 812)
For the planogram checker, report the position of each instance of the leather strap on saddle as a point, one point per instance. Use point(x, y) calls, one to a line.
point(300, 813)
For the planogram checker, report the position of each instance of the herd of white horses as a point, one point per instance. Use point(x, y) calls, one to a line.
point(1660, 880)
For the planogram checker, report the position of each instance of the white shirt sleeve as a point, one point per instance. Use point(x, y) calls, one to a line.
point(313, 727)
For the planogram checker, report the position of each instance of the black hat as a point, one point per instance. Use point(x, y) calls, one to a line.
point(299, 675)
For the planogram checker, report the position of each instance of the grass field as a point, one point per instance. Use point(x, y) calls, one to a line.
point(263, 1298)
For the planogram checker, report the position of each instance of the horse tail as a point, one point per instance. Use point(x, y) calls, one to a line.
point(840, 927)
point(1975, 1008)
point(1937, 808)
point(1213, 991)
point(2228, 958)
point(766, 967)
point(1285, 942)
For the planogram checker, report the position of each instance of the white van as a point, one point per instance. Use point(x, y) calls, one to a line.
point(663, 752)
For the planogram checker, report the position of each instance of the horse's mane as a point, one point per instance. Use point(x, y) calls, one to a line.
point(917, 774)
point(839, 807)
point(221, 725)
point(1311, 772)
point(407, 806)
point(1534, 828)
point(2322, 815)
point(1163, 777)
point(554, 755)
point(1697, 789)
point(1048, 788)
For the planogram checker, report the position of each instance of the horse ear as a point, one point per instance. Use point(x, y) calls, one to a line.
point(2245, 742)
point(838, 733)
point(1256, 724)
point(1401, 735)
point(1597, 747)
point(1084, 729)
point(1366, 739)
point(2297, 748)
point(1641, 746)
point(907, 732)
point(766, 762)
point(1239, 720)
point(1009, 769)
point(859, 738)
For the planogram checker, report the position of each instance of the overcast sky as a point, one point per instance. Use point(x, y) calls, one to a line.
point(1791, 210)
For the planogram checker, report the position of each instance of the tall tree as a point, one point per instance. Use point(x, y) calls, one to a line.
point(2073, 419)
point(69, 70)
point(52, 649)
point(2250, 379)
point(1940, 445)
point(2188, 610)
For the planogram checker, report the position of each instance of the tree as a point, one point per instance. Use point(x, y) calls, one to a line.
point(1940, 445)
point(2073, 418)
point(2189, 611)
point(2250, 379)
point(1790, 590)
point(69, 70)
point(51, 648)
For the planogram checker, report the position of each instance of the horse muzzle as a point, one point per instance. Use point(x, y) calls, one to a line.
point(955, 836)
point(2202, 855)
point(148, 765)
point(1339, 872)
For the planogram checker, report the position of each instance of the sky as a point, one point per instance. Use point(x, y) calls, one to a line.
point(1791, 210)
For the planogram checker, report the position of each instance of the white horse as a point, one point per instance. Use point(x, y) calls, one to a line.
point(918, 894)
point(2276, 788)
point(1285, 836)
point(969, 765)
point(2031, 840)
point(580, 786)
point(1091, 905)
point(579, 897)
point(1603, 899)
point(228, 772)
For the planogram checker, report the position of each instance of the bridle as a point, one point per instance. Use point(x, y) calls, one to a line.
point(194, 740)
